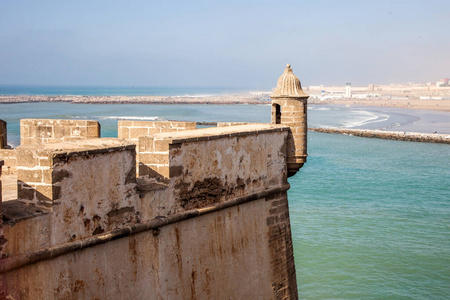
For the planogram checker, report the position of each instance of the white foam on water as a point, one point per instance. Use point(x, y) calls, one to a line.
point(194, 96)
point(126, 118)
point(363, 118)
point(116, 118)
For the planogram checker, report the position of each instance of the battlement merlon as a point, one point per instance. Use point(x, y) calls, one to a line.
point(39, 131)
point(41, 168)
point(212, 165)
point(159, 155)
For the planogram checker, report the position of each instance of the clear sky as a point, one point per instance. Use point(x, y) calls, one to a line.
point(222, 43)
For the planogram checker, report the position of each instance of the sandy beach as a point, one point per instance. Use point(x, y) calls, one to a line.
point(442, 105)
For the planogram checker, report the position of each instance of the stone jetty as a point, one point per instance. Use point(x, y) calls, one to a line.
point(389, 135)
point(225, 99)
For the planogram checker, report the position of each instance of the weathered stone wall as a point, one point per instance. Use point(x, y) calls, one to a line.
point(10, 159)
point(3, 135)
point(199, 152)
point(294, 115)
point(223, 255)
point(78, 189)
point(39, 131)
point(222, 163)
point(133, 130)
point(218, 226)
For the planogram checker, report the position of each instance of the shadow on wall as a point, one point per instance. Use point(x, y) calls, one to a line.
point(28, 192)
point(145, 170)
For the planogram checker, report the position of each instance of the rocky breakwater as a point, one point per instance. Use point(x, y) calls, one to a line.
point(226, 99)
point(389, 135)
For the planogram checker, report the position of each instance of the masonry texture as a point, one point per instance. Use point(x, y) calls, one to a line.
point(289, 107)
point(34, 131)
point(165, 211)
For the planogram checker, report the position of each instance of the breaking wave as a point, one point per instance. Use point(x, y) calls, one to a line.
point(363, 118)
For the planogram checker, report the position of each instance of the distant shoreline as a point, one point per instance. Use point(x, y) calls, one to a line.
point(440, 105)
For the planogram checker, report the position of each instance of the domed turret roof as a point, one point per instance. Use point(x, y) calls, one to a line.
point(288, 85)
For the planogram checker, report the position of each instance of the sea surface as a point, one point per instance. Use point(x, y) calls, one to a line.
point(115, 91)
point(370, 218)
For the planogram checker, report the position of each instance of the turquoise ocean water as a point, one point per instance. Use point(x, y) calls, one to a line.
point(370, 218)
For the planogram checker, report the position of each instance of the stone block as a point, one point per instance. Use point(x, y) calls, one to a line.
point(300, 130)
point(78, 131)
point(164, 171)
point(44, 193)
point(144, 124)
point(160, 159)
point(167, 129)
point(30, 175)
point(124, 123)
point(26, 157)
point(93, 131)
point(153, 131)
point(145, 158)
point(49, 130)
point(161, 145)
point(299, 136)
point(145, 144)
point(123, 132)
point(136, 132)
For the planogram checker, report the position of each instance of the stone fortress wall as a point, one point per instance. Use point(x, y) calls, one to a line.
point(7, 155)
point(165, 211)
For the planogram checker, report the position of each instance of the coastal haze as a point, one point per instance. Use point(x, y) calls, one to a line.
point(216, 44)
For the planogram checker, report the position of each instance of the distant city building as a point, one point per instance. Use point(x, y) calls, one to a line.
point(443, 82)
point(348, 90)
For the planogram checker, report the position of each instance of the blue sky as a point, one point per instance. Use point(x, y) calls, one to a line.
point(222, 43)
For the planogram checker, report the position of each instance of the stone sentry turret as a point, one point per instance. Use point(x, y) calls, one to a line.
point(289, 108)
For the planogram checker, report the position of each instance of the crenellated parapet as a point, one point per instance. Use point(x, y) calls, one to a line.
point(134, 130)
point(81, 200)
point(208, 166)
